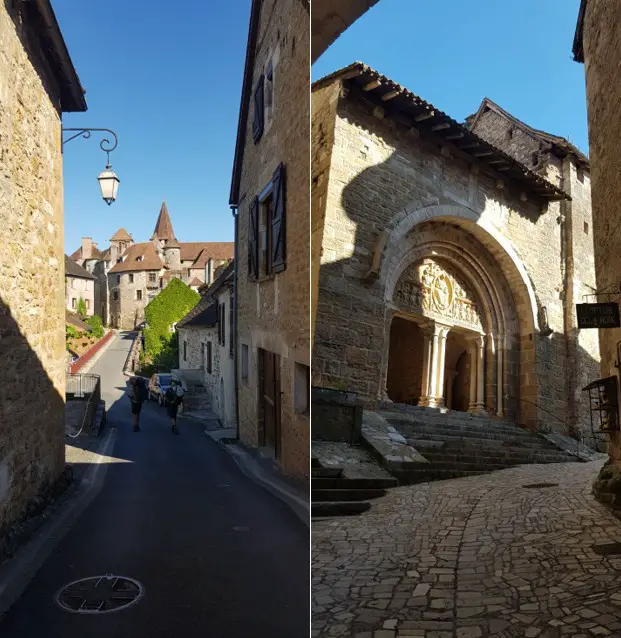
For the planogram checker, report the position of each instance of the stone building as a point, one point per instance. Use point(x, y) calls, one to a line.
point(449, 256)
point(79, 284)
point(269, 197)
point(131, 274)
point(207, 344)
point(597, 44)
point(38, 83)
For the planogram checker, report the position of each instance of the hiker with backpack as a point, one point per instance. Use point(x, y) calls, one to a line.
point(137, 394)
point(174, 398)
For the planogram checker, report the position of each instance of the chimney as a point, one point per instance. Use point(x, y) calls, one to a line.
point(87, 247)
point(209, 272)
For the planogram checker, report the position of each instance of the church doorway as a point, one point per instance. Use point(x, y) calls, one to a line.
point(405, 363)
point(457, 372)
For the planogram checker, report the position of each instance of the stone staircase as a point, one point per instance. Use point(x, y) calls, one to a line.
point(332, 494)
point(455, 444)
point(196, 403)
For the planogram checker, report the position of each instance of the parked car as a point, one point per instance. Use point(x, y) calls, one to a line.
point(158, 384)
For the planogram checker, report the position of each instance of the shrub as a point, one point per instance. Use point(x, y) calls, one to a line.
point(82, 311)
point(170, 306)
point(97, 325)
point(71, 333)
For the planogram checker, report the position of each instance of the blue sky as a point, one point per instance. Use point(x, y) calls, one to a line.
point(167, 79)
point(455, 52)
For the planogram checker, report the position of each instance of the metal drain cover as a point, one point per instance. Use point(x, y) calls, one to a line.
point(99, 594)
point(610, 549)
point(539, 485)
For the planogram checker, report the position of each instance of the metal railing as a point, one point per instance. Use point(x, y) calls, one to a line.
point(85, 387)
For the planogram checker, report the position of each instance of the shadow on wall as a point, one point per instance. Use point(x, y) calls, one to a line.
point(363, 268)
point(31, 425)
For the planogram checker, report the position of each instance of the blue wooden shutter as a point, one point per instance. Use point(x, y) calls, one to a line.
point(253, 240)
point(278, 225)
point(259, 110)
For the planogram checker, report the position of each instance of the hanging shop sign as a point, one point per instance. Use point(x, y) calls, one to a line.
point(598, 315)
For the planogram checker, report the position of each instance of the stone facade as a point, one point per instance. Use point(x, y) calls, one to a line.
point(598, 45)
point(198, 342)
point(128, 297)
point(77, 288)
point(32, 287)
point(406, 226)
point(273, 310)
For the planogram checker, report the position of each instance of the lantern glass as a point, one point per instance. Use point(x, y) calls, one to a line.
point(109, 184)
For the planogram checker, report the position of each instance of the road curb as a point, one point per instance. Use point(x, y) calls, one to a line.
point(251, 469)
point(91, 362)
point(18, 571)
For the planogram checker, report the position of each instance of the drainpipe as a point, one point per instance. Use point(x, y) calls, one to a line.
point(234, 211)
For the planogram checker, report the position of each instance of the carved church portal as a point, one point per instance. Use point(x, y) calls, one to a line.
point(437, 341)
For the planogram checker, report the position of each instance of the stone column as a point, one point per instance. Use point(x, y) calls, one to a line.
point(480, 344)
point(499, 374)
point(472, 351)
point(433, 370)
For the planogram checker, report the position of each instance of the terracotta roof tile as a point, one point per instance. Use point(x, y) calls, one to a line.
point(132, 259)
point(121, 235)
point(200, 252)
point(195, 282)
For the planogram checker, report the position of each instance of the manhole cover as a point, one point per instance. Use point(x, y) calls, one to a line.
point(609, 549)
point(241, 528)
point(539, 485)
point(99, 594)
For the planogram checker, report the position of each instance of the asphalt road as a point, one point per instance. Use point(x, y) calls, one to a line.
point(167, 516)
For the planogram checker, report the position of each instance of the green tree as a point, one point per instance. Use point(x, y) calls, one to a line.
point(170, 306)
point(82, 311)
point(96, 324)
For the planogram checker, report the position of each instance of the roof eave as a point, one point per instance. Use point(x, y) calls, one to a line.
point(578, 46)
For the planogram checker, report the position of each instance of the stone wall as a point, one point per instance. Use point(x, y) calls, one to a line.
point(383, 177)
point(76, 288)
point(127, 311)
point(602, 55)
point(32, 287)
point(274, 314)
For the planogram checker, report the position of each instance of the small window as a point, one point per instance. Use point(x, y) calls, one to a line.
point(118, 279)
point(131, 278)
point(73, 303)
point(74, 284)
point(209, 357)
point(535, 159)
point(510, 133)
point(138, 295)
point(119, 260)
point(115, 295)
point(302, 388)
point(185, 350)
point(244, 363)
point(152, 277)
point(269, 91)
point(202, 356)
point(88, 304)
point(231, 326)
point(586, 228)
point(139, 258)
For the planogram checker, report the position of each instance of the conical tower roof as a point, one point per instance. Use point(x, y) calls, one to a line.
point(163, 227)
point(121, 235)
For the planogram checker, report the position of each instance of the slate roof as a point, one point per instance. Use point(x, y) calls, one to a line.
point(95, 254)
point(131, 259)
point(163, 226)
point(121, 235)
point(75, 270)
point(400, 104)
point(76, 322)
point(202, 315)
point(560, 144)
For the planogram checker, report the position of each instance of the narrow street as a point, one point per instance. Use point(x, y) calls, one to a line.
point(216, 554)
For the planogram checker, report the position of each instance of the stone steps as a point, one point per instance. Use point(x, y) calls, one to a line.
point(341, 508)
point(345, 495)
point(353, 483)
point(466, 448)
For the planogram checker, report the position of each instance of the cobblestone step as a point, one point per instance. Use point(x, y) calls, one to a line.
point(427, 438)
point(342, 508)
point(481, 429)
point(326, 472)
point(412, 477)
point(353, 483)
point(467, 452)
point(345, 495)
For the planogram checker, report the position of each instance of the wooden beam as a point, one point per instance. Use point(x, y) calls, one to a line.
point(498, 161)
point(473, 145)
point(424, 116)
point(455, 136)
point(440, 127)
point(390, 95)
point(483, 154)
point(371, 85)
point(351, 74)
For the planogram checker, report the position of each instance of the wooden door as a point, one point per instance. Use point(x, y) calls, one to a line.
point(269, 399)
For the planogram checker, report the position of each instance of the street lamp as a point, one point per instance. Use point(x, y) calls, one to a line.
point(108, 181)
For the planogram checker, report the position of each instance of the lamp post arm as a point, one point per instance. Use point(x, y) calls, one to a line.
point(106, 145)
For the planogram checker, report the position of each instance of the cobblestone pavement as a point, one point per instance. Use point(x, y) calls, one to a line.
point(472, 558)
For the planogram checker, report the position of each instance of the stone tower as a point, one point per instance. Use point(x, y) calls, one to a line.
point(172, 254)
point(163, 232)
point(119, 243)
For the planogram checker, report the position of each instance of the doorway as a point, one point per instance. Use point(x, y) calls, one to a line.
point(405, 362)
point(269, 401)
point(457, 372)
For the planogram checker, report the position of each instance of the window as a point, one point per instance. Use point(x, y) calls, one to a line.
point(302, 388)
point(221, 324)
point(185, 350)
point(202, 356)
point(209, 357)
point(269, 91)
point(152, 277)
point(138, 295)
point(118, 279)
point(115, 295)
point(267, 229)
point(231, 327)
point(74, 284)
point(139, 258)
point(131, 278)
point(88, 304)
point(119, 260)
point(73, 303)
point(586, 228)
point(259, 106)
point(535, 159)
point(244, 363)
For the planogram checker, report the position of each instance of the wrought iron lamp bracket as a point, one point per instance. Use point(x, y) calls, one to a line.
point(106, 145)
point(614, 290)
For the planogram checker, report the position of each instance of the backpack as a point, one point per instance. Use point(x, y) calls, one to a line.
point(142, 392)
